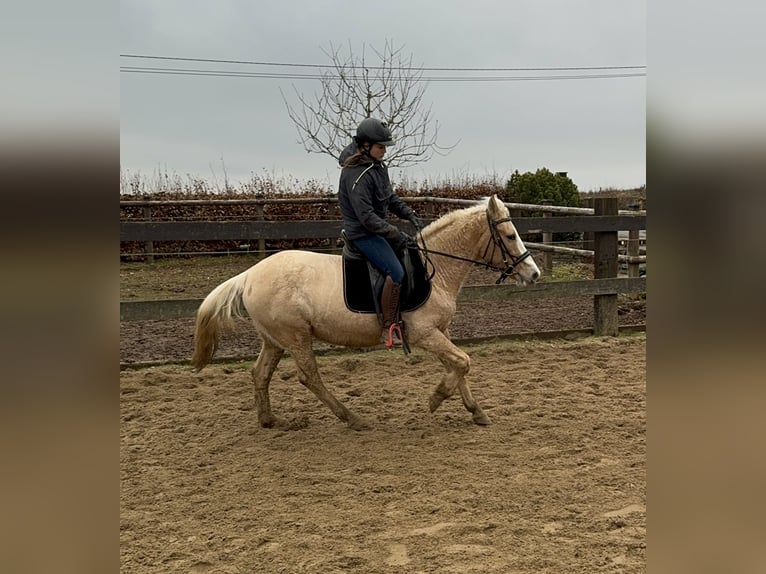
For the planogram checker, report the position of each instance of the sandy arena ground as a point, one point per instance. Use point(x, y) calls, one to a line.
point(556, 484)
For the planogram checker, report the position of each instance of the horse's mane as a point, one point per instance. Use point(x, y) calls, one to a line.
point(452, 217)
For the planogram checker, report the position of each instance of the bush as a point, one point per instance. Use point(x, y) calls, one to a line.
point(542, 185)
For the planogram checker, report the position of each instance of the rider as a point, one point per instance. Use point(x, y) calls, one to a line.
point(366, 196)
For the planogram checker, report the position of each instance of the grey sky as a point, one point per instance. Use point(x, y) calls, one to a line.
point(593, 129)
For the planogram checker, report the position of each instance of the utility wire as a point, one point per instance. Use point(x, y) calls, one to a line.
point(299, 76)
point(429, 69)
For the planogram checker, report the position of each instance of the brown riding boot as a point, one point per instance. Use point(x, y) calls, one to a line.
point(389, 308)
point(389, 302)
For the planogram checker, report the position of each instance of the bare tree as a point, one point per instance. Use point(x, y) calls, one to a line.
point(392, 90)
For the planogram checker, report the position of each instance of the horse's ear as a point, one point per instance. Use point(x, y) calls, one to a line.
point(495, 207)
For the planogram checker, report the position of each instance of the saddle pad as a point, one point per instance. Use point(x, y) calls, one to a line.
point(358, 290)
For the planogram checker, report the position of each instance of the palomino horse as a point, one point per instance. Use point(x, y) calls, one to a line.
point(295, 296)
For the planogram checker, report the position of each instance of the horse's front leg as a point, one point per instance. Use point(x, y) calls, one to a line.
point(477, 413)
point(457, 364)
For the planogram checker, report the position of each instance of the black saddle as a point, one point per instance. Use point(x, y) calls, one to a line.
point(363, 282)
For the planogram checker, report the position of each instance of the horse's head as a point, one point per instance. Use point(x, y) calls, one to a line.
point(505, 250)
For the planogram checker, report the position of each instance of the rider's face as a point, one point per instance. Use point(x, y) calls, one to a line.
point(377, 151)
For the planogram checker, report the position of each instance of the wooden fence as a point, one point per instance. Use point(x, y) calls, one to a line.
point(602, 224)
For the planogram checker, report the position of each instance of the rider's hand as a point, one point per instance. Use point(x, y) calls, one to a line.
point(416, 222)
point(404, 240)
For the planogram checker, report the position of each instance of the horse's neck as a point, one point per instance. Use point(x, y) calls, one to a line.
point(460, 240)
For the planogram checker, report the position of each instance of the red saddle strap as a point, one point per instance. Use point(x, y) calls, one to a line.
point(394, 328)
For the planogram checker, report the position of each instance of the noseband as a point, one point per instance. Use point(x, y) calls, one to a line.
point(496, 242)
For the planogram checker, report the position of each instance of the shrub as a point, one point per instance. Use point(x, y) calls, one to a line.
point(542, 185)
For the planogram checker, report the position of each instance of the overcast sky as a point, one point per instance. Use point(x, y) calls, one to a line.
point(594, 129)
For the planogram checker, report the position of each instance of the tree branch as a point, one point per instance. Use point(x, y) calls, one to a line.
point(351, 90)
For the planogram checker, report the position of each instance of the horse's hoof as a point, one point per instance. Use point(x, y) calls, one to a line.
point(268, 423)
point(359, 424)
point(481, 419)
point(272, 422)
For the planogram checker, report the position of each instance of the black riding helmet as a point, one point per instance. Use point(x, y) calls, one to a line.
point(371, 130)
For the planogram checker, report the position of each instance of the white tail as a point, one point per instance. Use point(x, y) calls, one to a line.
point(215, 315)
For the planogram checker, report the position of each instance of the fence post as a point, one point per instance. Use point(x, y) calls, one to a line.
point(547, 240)
point(149, 245)
point(605, 321)
point(433, 209)
point(634, 248)
point(261, 241)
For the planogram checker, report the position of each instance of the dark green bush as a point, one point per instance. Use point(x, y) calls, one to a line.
point(540, 186)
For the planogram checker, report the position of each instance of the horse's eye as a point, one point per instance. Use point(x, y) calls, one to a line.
point(511, 237)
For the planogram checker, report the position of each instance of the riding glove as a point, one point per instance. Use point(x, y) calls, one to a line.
point(416, 222)
point(404, 240)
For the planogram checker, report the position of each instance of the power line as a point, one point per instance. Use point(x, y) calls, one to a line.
point(307, 76)
point(429, 69)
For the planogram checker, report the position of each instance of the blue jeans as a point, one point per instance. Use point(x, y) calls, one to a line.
point(382, 256)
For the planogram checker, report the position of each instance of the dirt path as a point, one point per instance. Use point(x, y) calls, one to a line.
point(556, 484)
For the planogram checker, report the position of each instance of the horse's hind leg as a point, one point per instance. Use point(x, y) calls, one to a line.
point(308, 373)
point(457, 364)
point(264, 367)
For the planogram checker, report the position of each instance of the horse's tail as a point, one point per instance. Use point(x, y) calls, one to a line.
point(215, 315)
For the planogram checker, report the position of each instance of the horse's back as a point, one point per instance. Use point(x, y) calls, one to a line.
point(292, 276)
point(295, 263)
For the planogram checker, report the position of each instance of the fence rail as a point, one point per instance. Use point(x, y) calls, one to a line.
point(186, 308)
point(333, 200)
point(327, 229)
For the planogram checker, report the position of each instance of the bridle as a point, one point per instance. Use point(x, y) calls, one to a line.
point(495, 241)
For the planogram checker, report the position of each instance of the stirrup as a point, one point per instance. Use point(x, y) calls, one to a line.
point(398, 329)
point(394, 328)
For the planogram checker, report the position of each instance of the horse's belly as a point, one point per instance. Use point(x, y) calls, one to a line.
point(348, 329)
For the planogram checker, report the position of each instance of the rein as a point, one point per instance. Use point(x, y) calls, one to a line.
point(495, 241)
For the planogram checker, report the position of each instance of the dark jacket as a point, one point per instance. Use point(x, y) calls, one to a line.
point(365, 195)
